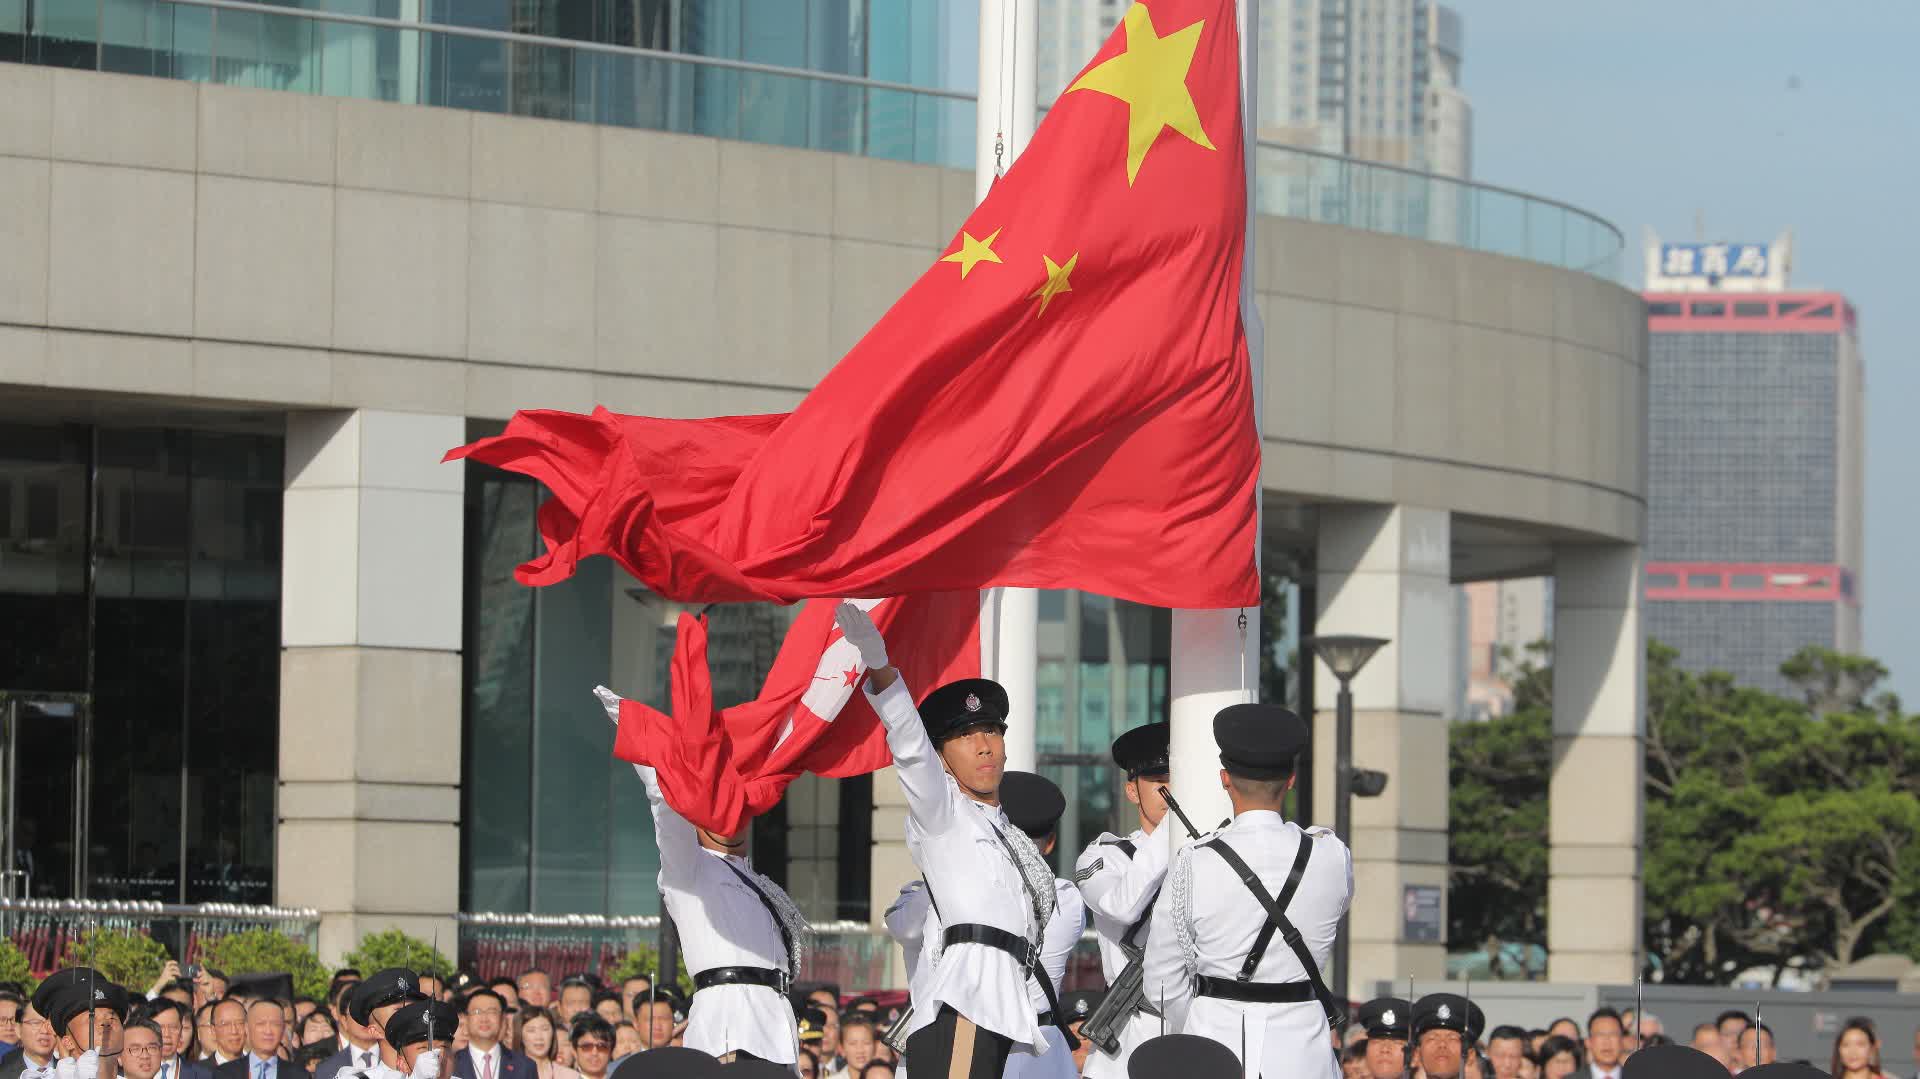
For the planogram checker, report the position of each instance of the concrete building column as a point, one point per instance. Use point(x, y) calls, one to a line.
point(1384, 572)
point(369, 796)
point(1599, 709)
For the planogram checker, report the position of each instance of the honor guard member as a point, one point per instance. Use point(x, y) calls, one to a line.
point(1388, 1022)
point(990, 895)
point(1446, 1027)
point(1215, 947)
point(420, 1033)
point(741, 934)
point(88, 1014)
point(1120, 879)
point(371, 1004)
point(1034, 805)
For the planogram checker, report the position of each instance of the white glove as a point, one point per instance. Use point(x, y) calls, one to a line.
point(84, 1066)
point(428, 1066)
point(863, 635)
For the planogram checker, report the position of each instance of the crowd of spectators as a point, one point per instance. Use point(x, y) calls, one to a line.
point(201, 1024)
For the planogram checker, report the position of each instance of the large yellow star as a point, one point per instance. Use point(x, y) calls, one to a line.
point(973, 252)
point(1056, 282)
point(1151, 77)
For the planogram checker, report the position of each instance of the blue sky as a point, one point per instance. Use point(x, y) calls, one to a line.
point(1647, 113)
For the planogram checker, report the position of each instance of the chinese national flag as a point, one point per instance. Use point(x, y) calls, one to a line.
point(1062, 400)
point(719, 768)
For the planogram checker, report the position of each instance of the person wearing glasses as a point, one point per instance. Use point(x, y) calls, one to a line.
point(12, 1006)
point(141, 1050)
point(592, 1046)
point(35, 1052)
point(171, 1017)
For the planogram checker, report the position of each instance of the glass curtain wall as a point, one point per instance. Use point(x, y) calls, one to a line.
point(555, 825)
point(1105, 668)
point(140, 570)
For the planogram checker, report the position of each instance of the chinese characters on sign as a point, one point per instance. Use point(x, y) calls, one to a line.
point(1714, 260)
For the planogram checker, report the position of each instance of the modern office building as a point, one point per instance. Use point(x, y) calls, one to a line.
point(1756, 461)
point(246, 306)
point(1501, 621)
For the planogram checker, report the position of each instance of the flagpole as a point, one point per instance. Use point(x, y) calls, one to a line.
point(1215, 656)
point(1003, 124)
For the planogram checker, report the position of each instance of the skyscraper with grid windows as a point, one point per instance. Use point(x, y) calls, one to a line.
point(1756, 402)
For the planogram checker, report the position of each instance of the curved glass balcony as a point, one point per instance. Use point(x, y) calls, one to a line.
point(278, 47)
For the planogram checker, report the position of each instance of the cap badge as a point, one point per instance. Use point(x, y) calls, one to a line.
point(99, 994)
point(1386, 1017)
point(1444, 1012)
point(973, 703)
point(402, 983)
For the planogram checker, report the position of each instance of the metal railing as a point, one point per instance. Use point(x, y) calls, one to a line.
point(495, 944)
point(43, 928)
point(852, 955)
point(247, 43)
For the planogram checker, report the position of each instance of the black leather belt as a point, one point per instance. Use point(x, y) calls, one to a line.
point(1253, 992)
point(775, 980)
point(1045, 1019)
point(977, 933)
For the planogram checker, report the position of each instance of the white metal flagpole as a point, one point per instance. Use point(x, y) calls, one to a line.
point(1216, 662)
point(1003, 124)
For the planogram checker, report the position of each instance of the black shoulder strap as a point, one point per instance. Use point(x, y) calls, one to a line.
point(1133, 931)
point(786, 938)
point(1277, 919)
point(1126, 845)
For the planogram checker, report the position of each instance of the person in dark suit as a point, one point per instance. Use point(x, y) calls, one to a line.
point(266, 1029)
point(35, 1049)
point(485, 1057)
point(359, 1047)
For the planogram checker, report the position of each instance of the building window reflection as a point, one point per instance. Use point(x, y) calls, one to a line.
point(139, 577)
point(554, 823)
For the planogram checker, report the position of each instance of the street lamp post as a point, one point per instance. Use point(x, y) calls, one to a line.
point(1344, 654)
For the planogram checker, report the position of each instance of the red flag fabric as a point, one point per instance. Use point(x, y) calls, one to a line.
point(720, 768)
point(1062, 400)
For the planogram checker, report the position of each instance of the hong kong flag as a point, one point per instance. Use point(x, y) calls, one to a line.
point(1062, 400)
point(719, 768)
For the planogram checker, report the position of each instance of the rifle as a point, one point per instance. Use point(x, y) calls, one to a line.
point(1127, 994)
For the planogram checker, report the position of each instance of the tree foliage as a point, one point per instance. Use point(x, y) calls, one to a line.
point(268, 951)
point(393, 948)
point(14, 968)
point(130, 959)
point(643, 961)
point(1779, 830)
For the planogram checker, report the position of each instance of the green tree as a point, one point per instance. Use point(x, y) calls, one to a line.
point(130, 959)
point(269, 951)
point(1497, 845)
point(643, 961)
point(15, 968)
point(1777, 829)
point(393, 948)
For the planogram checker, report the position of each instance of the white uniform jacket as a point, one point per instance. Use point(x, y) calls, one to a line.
point(1069, 921)
point(972, 880)
point(723, 923)
point(1206, 923)
point(1118, 887)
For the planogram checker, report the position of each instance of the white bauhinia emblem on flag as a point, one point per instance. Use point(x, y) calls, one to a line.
point(835, 678)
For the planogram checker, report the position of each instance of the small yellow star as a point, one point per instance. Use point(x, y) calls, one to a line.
point(1151, 77)
point(973, 251)
point(1056, 282)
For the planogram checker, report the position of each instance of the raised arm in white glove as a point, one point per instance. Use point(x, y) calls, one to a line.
point(427, 1066)
point(863, 635)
